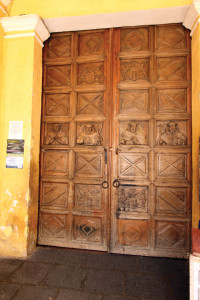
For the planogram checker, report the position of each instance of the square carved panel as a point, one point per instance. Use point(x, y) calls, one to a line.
point(53, 226)
point(88, 165)
point(171, 37)
point(171, 200)
point(171, 133)
point(91, 43)
point(88, 196)
point(134, 39)
point(133, 233)
point(135, 101)
point(59, 47)
point(133, 165)
point(90, 73)
point(57, 104)
point(87, 229)
point(58, 76)
point(171, 165)
point(54, 195)
point(172, 101)
point(90, 103)
point(89, 134)
point(172, 68)
point(56, 134)
point(134, 69)
point(55, 163)
point(133, 133)
point(171, 235)
point(133, 198)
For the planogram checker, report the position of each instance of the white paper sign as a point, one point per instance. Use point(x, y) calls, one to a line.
point(15, 130)
point(15, 162)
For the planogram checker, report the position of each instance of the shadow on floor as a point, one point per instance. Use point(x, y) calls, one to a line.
point(56, 274)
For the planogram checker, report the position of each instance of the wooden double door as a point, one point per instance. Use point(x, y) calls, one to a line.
point(116, 141)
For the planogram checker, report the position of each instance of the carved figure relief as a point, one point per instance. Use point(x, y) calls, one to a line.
point(132, 133)
point(135, 69)
point(57, 134)
point(170, 134)
point(132, 199)
point(87, 196)
point(92, 73)
point(89, 134)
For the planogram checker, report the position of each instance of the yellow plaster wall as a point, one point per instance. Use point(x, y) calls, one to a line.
point(19, 102)
point(195, 123)
point(61, 8)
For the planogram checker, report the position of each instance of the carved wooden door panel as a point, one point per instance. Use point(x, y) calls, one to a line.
point(151, 153)
point(75, 138)
point(126, 121)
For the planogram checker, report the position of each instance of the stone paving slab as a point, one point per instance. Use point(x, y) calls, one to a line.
point(60, 256)
point(31, 272)
point(56, 274)
point(35, 293)
point(8, 290)
point(66, 277)
point(113, 262)
point(105, 282)
point(147, 286)
point(77, 295)
point(7, 266)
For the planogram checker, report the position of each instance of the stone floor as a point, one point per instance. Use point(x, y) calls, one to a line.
point(56, 274)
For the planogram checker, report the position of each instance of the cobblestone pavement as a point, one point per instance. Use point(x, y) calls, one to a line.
point(57, 274)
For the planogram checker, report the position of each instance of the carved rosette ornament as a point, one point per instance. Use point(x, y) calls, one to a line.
point(89, 134)
point(170, 134)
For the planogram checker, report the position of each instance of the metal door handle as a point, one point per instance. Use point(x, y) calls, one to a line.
point(105, 184)
point(116, 183)
point(105, 155)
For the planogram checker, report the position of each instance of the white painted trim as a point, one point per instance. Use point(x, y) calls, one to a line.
point(17, 35)
point(26, 22)
point(192, 14)
point(2, 9)
point(119, 19)
point(194, 27)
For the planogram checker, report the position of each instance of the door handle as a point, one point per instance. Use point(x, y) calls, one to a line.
point(105, 184)
point(116, 183)
point(105, 155)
